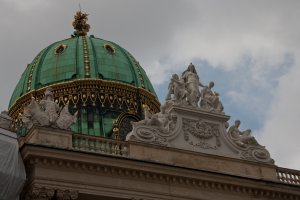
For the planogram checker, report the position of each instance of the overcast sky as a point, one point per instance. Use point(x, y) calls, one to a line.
point(250, 49)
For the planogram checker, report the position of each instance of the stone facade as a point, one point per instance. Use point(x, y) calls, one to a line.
point(187, 151)
point(106, 169)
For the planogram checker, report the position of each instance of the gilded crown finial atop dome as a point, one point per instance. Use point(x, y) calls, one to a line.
point(80, 24)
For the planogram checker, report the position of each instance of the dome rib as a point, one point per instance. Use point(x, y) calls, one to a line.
point(96, 66)
point(76, 60)
point(131, 64)
point(39, 64)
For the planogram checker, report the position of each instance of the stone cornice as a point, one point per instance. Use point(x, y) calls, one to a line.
point(131, 169)
point(249, 162)
point(199, 112)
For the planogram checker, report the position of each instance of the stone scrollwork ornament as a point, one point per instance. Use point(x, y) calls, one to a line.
point(47, 113)
point(155, 128)
point(256, 154)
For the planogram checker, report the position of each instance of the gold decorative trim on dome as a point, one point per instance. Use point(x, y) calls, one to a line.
point(80, 24)
point(95, 92)
point(29, 81)
point(86, 60)
point(136, 63)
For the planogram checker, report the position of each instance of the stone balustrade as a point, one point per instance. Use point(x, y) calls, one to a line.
point(288, 176)
point(100, 145)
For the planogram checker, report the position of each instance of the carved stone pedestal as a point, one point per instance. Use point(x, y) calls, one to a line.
point(197, 130)
point(49, 137)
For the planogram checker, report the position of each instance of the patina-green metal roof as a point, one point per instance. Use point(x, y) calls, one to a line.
point(81, 57)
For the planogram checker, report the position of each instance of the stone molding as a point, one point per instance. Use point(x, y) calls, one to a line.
point(168, 175)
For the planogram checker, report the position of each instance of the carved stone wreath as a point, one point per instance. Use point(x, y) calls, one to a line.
point(203, 131)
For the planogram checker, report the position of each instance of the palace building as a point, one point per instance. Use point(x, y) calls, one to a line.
point(84, 123)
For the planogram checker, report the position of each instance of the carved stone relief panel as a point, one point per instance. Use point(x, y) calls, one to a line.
point(201, 134)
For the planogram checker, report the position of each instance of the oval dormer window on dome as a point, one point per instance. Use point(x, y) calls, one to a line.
point(60, 49)
point(109, 49)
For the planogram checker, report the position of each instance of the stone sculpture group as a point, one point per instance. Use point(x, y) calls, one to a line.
point(185, 91)
point(193, 119)
point(47, 113)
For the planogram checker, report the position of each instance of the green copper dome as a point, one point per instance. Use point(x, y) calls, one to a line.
point(97, 78)
point(81, 57)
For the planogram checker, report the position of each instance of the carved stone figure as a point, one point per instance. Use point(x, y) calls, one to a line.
point(192, 82)
point(177, 88)
point(160, 120)
point(147, 115)
point(46, 113)
point(171, 88)
point(34, 115)
point(210, 99)
point(5, 120)
point(66, 119)
point(241, 138)
point(50, 107)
